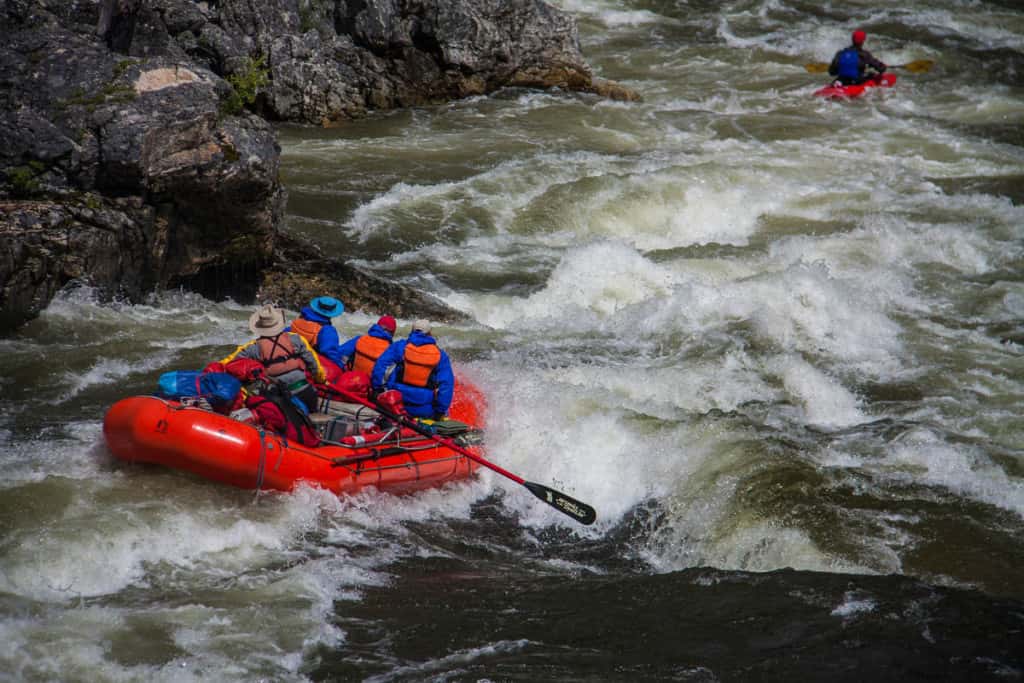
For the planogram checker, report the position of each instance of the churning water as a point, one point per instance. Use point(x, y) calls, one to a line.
point(758, 331)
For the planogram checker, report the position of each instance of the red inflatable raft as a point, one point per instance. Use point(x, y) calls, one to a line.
point(365, 451)
point(848, 92)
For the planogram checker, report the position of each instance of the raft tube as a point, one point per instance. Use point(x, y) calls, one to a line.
point(149, 429)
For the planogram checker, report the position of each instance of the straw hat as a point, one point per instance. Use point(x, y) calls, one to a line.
point(267, 321)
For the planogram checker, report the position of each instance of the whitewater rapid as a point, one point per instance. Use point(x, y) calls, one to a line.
point(754, 330)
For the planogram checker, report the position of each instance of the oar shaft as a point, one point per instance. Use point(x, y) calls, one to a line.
point(578, 510)
point(486, 463)
point(412, 424)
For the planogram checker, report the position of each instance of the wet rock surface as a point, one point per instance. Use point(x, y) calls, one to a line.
point(135, 148)
point(301, 271)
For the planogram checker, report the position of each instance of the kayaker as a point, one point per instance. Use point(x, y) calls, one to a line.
point(287, 356)
point(850, 63)
point(362, 351)
point(314, 323)
point(423, 373)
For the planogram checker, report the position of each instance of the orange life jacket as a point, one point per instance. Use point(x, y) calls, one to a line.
point(308, 329)
point(278, 355)
point(420, 361)
point(368, 350)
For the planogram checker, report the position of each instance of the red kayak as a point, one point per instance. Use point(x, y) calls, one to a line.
point(848, 92)
point(364, 449)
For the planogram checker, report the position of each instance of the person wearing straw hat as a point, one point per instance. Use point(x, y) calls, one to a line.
point(287, 356)
point(362, 351)
point(314, 323)
point(422, 373)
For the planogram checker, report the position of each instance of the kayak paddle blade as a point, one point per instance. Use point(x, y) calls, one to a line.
point(918, 67)
point(816, 67)
point(578, 510)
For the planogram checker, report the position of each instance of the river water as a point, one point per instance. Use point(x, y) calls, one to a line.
point(777, 342)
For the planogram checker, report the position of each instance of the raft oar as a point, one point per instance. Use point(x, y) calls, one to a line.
point(916, 67)
point(567, 505)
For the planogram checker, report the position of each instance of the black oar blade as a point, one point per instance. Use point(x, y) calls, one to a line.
point(578, 510)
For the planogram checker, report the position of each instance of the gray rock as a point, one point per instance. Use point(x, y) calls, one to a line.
point(335, 60)
point(301, 272)
point(132, 155)
point(124, 171)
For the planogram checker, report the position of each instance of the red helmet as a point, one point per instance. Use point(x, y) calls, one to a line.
point(859, 37)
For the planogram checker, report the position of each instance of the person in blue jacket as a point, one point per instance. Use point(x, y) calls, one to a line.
point(422, 373)
point(362, 351)
point(314, 324)
point(849, 64)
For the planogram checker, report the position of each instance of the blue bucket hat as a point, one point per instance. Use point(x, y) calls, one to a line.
point(327, 306)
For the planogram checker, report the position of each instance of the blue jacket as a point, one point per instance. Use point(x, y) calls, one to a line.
point(348, 349)
point(839, 67)
point(431, 401)
point(327, 340)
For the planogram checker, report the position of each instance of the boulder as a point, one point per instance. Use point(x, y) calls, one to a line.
point(335, 60)
point(301, 272)
point(124, 171)
point(135, 151)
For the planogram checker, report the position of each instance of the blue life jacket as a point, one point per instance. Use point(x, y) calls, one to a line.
point(848, 64)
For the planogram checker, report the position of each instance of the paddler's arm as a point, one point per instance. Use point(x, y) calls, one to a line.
point(870, 60)
point(445, 386)
point(310, 359)
point(347, 351)
point(391, 356)
point(327, 344)
point(240, 352)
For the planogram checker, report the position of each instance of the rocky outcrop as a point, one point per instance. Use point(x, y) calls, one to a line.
point(124, 172)
point(301, 272)
point(135, 151)
point(335, 59)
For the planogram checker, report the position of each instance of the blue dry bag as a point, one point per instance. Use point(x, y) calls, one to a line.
point(216, 387)
point(179, 383)
point(219, 387)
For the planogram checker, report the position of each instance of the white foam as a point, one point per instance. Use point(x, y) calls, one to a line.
point(717, 384)
point(74, 454)
point(982, 25)
point(750, 546)
point(611, 14)
point(924, 457)
point(853, 606)
point(453, 664)
point(110, 371)
point(684, 207)
point(825, 402)
point(594, 281)
point(256, 554)
point(570, 439)
point(804, 307)
point(100, 552)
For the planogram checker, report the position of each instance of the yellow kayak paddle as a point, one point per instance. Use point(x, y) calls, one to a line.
point(916, 67)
